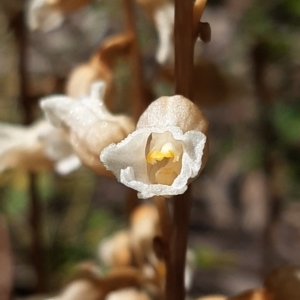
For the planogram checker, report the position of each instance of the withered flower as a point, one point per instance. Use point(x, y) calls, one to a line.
point(89, 125)
point(167, 149)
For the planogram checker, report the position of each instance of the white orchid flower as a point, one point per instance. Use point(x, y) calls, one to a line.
point(167, 149)
point(35, 147)
point(89, 125)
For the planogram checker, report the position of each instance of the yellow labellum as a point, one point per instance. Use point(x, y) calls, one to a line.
point(167, 151)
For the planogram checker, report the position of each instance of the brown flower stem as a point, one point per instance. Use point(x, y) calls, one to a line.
point(184, 47)
point(184, 53)
point(35, 216)
point(138, 103)
point(132, 202)
point(164, 218)
point(175, 260)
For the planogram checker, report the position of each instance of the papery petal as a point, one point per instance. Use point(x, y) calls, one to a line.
point(88, 123)
point(174, 111)
point(130, 153)
point(127, 161)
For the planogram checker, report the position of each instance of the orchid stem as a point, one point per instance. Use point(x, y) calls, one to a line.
point(176, 257)
point(164, 218)
point(184, 53)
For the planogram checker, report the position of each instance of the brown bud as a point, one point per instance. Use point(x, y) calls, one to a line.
point(204, 32)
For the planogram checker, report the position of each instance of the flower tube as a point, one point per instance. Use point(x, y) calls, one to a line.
point(166, 151)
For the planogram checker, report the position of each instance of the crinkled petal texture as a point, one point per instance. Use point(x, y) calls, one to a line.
point(164, 152)
point(89, 125)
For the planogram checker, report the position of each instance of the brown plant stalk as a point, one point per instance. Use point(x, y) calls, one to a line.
point(35, 216)
point(184, 52)
point(164, 218)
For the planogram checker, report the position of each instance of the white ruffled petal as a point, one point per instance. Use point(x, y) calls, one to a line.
point(128, 153)
point(127, 160)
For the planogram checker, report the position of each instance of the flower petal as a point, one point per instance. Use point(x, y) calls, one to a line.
point(127, 161)
point(89, 125)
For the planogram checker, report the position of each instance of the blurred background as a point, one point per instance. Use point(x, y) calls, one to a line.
point(245, 216)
